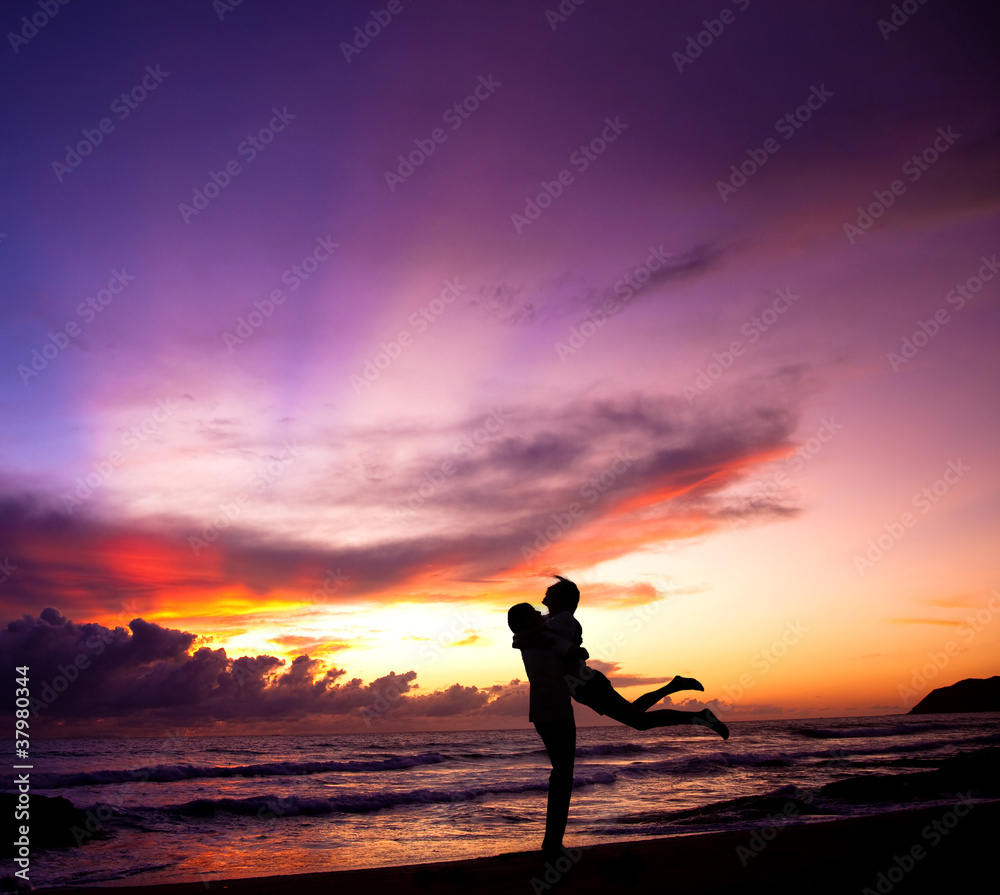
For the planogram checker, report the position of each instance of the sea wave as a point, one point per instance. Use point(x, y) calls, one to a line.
point(893, 730)
point(171, 773)
point(621, 749)
point(272, 806)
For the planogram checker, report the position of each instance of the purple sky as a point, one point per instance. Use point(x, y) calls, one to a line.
point(310, 354)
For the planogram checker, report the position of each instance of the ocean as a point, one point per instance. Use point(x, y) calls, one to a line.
point(197, 808)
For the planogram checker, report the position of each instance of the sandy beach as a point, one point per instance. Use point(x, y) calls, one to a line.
point(920, 850)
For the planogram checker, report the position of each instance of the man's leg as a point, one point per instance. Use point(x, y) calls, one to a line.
point(559, 738)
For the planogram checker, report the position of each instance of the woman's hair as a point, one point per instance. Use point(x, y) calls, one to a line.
point(520, 616)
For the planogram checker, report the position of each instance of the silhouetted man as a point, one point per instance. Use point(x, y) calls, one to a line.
point(550, 709)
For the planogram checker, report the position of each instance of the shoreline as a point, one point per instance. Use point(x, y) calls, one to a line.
point(917, 849)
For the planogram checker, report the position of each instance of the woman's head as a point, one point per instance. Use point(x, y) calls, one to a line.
point(522, 616)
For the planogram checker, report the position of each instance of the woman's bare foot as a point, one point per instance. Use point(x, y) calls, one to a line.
point(685, 683)
point(706, 718)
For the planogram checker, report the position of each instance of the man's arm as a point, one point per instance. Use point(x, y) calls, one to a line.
point(569, 637)
point(535, 636)
point(567, 632)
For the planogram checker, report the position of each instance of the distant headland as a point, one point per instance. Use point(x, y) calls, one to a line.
point(971, 695)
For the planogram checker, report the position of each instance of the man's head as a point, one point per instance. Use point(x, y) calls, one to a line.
point(523, 616)
point(563, 596)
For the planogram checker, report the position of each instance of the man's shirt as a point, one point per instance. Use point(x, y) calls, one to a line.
point(550, 698)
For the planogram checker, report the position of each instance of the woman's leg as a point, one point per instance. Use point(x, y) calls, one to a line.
point(647, 700)
point(603, 698)
point(671, 717)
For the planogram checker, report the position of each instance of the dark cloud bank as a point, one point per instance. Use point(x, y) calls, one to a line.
point(87, 679)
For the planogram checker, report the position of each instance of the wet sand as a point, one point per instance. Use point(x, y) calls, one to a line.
point(917, 850)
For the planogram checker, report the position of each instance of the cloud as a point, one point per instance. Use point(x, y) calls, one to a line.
point(650, 273)
point(508, 701)
point(455, 700)
point(564, 487)
point(85, 673)
point(90, 677)
point(466, 641)
point(970, 600)
point(296, 641)
point(506, 303)
point(639, 278)
point(944, 622)
point(612, 670)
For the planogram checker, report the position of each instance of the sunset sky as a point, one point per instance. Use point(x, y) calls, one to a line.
point(327, 343)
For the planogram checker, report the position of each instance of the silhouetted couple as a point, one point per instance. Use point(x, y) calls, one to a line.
point(555, 662)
